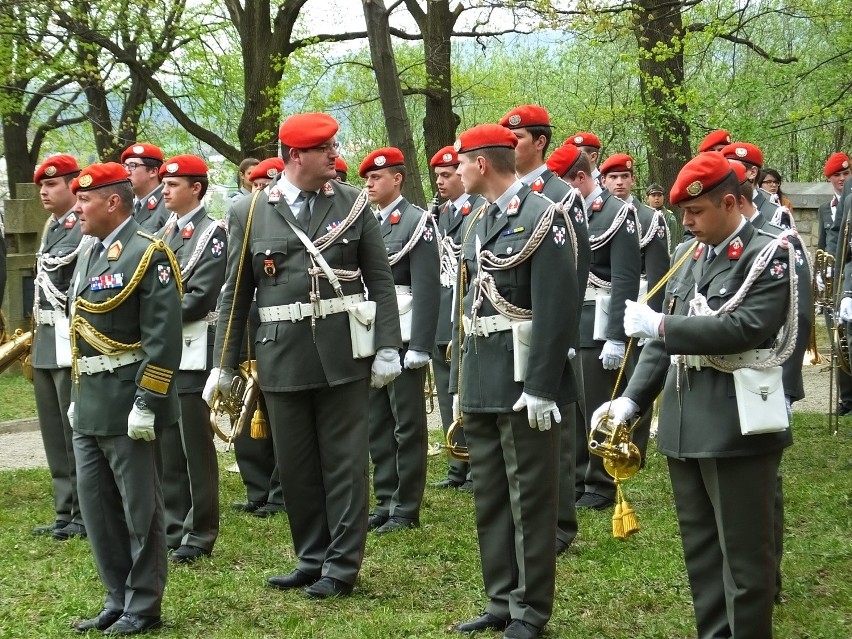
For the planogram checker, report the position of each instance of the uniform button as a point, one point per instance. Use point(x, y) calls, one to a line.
point(268, 251)
point(722, 291)
point(509, 250)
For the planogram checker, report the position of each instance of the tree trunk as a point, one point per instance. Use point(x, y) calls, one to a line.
point(21, 164)
point(390, 94)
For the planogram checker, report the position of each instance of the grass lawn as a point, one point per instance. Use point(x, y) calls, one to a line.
point(416, 583)
point(17, 399)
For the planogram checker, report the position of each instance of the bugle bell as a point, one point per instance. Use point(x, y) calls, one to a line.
point(611, 441)
point(230, 413)
point(455, 450)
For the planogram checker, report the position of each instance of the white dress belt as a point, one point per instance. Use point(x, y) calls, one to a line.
point(49, 318)
point(101, 363)
point(484, 326)
point(298, 311)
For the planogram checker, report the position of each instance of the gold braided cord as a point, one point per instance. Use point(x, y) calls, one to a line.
point(99, 341)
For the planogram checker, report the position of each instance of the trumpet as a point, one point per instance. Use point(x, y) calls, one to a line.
point(454, 450)
point(15, 347)
point(611, 440)
point(230, 413)
point(824, 269)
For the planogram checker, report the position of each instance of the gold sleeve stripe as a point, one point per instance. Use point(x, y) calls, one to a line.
point(157, 369)
point(154, 385)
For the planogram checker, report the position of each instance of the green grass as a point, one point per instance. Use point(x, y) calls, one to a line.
point(17, 399)
point(416, 583)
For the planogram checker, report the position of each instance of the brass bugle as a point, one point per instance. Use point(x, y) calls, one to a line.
point(454, 450)
point(611, 440)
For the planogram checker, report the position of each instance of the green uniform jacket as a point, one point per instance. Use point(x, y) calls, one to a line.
point(202, 285)
point(546, 283)
point(59, 241)
point(419, 269)
point(153, 214)
point(618, 261)
point(655, 254)
point(764, 205)
point(289, 355)
point(151, 314)
point(700, 418)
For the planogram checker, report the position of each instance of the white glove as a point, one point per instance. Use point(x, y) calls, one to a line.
point(386, 367)
point(71, 409)
point(641, 321)
point(456, 407)
point(219, 379)
point(538, 410)
point(820, 283)
point(140, 424)
point(416, 359)
point(621, 409)
point(572, 353)
point(612, 355)
point(845, 314)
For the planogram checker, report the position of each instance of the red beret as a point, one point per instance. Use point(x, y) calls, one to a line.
point(142, 150)
point(739, 169)
point(307, 130)
point(701, 174)
point(444, 157)
point(617, 162)
point(99, 175)
point(340, 164)
point(56, 166)
point(269, 168)
point(184, 166)
point(563, 158)
point(714, 138)
point(485, 136)
point(744, 152)
point(525, 116)
point(584, 139)
point(381, 159)
point(836, 163)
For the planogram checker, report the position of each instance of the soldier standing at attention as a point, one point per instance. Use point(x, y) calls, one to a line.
point(143, 162)
point(449, 218)
point(125, 331)
point(531, 124)
point(316, 391)
point(723, 481)
point(398, 433)
point(199, 244)
point(517, 261)
point(51, 351)
point(590, 145)
point(751, 158)
point(715, 141)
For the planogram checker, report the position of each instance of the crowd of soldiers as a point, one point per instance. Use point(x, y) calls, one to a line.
point(524, 288)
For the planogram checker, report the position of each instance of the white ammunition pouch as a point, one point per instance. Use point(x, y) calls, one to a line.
point(193, 355)
point(405, 303)
point(521, 337)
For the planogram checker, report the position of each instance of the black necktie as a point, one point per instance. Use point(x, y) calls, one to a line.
point(452, 211)
point(137, 208)
point(304, 216)
point(711, 254)
point(491, 216)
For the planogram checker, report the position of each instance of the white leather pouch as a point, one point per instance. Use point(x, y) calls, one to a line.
point(62, 341)
point(521, 338)
point(601, 318)
point(362, 318)
point(405, 302)
point(760, 400)
point(193, 356)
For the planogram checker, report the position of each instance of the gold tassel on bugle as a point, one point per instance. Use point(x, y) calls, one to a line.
point(259, 429)
point(624, 521)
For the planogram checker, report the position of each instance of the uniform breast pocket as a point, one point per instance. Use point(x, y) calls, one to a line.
point(269, 261)
point(721, 290)
point(393, 247)
point(344, 252)
point(507, 247)
point(679, 293)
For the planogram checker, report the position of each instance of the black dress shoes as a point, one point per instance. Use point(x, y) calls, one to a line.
point(521, 630)
point(447, 483)
point(48, 530)
point(69, 531)
point(466, 487)
point(104, 620)
point(327, 587)
point(486, 621)
point(132, 624)
point(186, 554)
point(248, 506)
point(396, 523)
point(374, 521)
point(269, 509)
point(561, 547)
point(595, 501)
point(295, 579)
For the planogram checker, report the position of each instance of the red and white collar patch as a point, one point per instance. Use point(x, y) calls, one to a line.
point(395, 216)
point(735, 248)
point(152, 203)
point(70, 221)
point(187, 231)
point(513, 206)
point(537, 185)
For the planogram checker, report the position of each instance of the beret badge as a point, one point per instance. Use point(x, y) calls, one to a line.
point(695, 188)
point(85, 180)
point(515, 120)
point(50, 171)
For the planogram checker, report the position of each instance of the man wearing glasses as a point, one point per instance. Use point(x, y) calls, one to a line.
point(143, 162)
point(316, 391)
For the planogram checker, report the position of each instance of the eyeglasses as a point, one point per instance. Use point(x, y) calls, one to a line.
point(326, 148)
point(132, 166)
point(768, 181)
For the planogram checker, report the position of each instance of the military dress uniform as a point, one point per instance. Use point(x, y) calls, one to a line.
point(315, 391)
point(397, 417)
point(192, 458)
point(150, 211)
point(119, 477)
point(617, 261)
point(515, 468)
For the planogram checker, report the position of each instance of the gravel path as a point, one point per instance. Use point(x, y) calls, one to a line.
point(25, 450)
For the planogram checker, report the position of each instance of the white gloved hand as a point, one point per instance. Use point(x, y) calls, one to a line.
point(140, 424)
point(572, 353)
point(612, 354)
point(845, 314)
point(820, 283)
point(641, 321)
point(71, 412)
point(621, 409)
point(416, 359)
point(219, 379)
point(386, 367)
point(456, 407)
point(538, 410)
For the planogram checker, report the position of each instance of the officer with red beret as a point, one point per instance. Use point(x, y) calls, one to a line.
point(715, 141)
point(517, 289)
point(341, 168)
point(285, 245)
point(723, 480)
point(143, 161)
point(60, 246)
point(590, 145)
point(126, 340)
point(751, 157)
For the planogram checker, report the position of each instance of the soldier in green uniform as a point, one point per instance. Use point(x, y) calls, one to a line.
point(199, 244)
point(316, 391)
point(449, 217)
point(397, 422)
point(656, 199)
point(51, 351)
point(518, 265)
point(531, 124)
point(590, 145)
point(125, 335)
point(265, 173)
point(341, 168)
point(143, 162)
point(751, 158)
